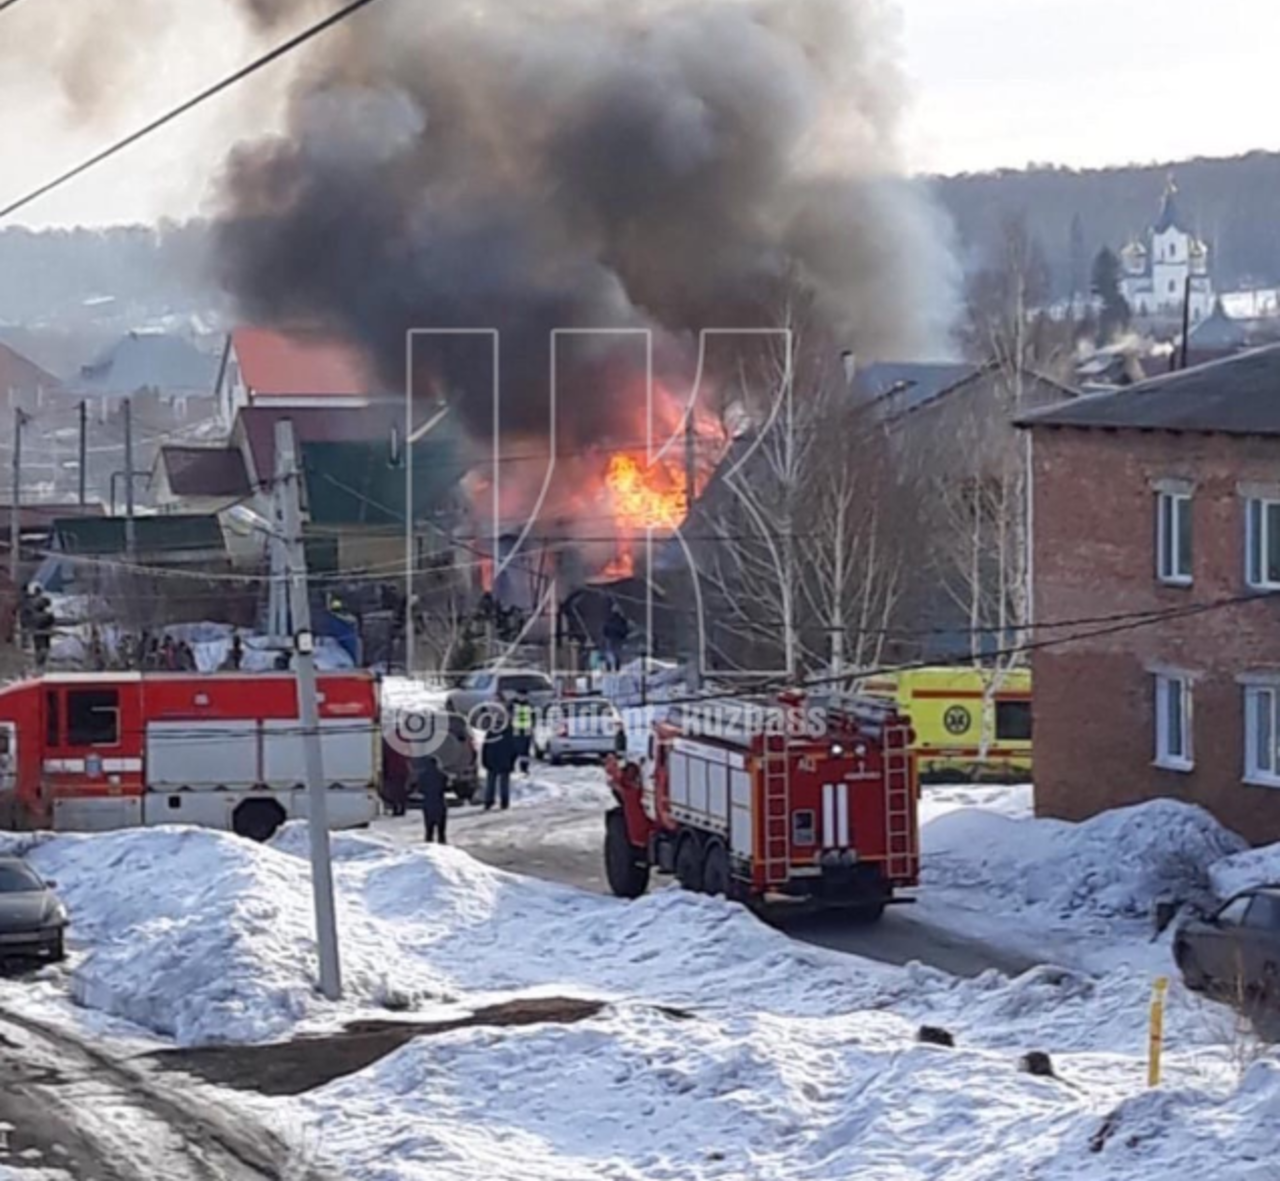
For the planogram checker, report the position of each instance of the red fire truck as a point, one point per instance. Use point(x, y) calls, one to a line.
point(804, 797)
point(96, 751)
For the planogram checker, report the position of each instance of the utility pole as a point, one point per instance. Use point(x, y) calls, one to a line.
point(84, 450)
point(309, 716)
point(15, 498)
point(693, 675)
point(130, 538)
point(1186, 320)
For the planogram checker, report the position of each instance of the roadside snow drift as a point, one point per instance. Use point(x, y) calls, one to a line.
point(793, 1061)
point(1116, 865)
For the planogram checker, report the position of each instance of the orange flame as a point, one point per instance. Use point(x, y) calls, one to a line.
point(646, 497)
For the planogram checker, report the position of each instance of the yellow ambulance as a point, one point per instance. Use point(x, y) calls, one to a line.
point(965, 728)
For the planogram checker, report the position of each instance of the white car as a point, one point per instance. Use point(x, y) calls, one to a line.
point(500, 685)
point(579, 728)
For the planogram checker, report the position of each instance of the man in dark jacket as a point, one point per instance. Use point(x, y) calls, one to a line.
point(616, 630)
point(499, 758)
point(431, 782)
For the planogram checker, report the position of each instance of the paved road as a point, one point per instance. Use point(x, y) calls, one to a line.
point(67, 1108)
point(555, 830)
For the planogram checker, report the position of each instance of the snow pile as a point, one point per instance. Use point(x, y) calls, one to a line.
point(1117, 864)
point(1243, 871)
point(636, 1093)
point(202, 936)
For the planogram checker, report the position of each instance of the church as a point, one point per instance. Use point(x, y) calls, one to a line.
point(1157, 269)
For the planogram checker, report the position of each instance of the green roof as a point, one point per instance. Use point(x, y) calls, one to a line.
point(355, 483)
point(165, 533)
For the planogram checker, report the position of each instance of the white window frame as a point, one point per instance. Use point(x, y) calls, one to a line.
point(1169, 555)
point(1254, 771)
point(1256, 537)
point(1182, 759)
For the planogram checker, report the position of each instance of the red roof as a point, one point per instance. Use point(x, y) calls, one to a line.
point(301, 364)
point(17, 373)
point(314, 424)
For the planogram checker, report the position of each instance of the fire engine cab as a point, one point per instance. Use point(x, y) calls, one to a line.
point(96, 751)
point(810, 798)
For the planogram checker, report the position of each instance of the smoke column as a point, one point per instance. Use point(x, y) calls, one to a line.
point(533, 164)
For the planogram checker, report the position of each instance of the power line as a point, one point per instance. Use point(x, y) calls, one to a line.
point(190, 104)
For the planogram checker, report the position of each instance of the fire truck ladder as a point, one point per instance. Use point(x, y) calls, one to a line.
point(900, 836)
point(776, 790)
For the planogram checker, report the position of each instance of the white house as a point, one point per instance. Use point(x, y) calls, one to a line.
point(269, 369)
point(1158, 267)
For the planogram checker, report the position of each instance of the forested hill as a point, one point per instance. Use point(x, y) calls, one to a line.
point(108, 280)
point(1233, 203)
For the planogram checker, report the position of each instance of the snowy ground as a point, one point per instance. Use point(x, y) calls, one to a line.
point(795, 1062)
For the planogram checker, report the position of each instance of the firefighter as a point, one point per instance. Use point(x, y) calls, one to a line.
point(431, 782)
point(343, 627)
point(38, 621)
point(235, 655)
point(616, 631)
point(499, 758)
point(522, 728)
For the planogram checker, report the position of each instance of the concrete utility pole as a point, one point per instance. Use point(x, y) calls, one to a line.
point(309, 716)
point(15, 497)
point(84, 450)
point(130, 536)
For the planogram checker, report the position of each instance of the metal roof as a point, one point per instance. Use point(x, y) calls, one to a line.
point(149, 361)
point(1238, 395)
point(205, 471)
point(166, 533)
point(908, 385)
point(301, 364)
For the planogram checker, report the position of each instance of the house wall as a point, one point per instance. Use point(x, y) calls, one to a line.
point(1094, 540)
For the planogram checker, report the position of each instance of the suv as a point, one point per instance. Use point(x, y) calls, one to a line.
point(499, 684)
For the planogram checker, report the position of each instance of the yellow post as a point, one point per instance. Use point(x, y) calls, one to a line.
point(1155, 1037)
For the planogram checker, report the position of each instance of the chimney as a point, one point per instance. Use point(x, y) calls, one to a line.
point(850, 362)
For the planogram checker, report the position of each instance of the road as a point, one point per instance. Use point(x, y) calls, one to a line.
point(555, 830)
point(67, 1108)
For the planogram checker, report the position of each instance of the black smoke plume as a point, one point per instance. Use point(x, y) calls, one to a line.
point(529, 165)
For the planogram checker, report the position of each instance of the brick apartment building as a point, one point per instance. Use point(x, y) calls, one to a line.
point(1156, 515)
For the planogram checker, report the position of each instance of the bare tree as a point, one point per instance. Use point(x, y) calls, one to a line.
point(798, 560)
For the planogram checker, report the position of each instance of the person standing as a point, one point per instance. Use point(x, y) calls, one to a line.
point(522, 728)
point(616, 631)
point(431, 783)
point(499, 757)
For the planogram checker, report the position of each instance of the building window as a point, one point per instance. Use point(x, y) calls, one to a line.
point(1260, 762)
point(1262, 543)
point(1173, 537)
point(1013, 721)
point(1173, 722)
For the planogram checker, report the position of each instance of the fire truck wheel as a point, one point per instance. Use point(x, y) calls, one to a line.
point(257, 819)
point(715, 870)
point(689, 862)
point(625, 866)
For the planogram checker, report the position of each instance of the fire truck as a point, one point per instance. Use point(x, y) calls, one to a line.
point(811, 798)
point(96, 751)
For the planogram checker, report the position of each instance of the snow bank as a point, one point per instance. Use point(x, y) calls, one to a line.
point(636, 1094)
point(1243, 871)
point(1117, 864)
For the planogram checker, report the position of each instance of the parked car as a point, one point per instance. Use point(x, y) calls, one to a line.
point(32, 917)
point(579, 728)
point(486, 685)
point(1234, 953)
point(443, 734)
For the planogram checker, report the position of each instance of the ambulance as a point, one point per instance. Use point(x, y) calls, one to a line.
point(971, 724)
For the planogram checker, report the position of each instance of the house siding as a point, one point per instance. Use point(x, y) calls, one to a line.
point(1094, 547)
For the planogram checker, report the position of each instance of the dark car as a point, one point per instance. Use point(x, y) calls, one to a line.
point(1234, 953)
point(32, 919)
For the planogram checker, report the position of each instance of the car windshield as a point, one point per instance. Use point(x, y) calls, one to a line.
point(588, 709)
point(18, 879)
point(478, 681)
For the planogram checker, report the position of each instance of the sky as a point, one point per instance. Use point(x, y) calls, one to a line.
point(991, 83)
